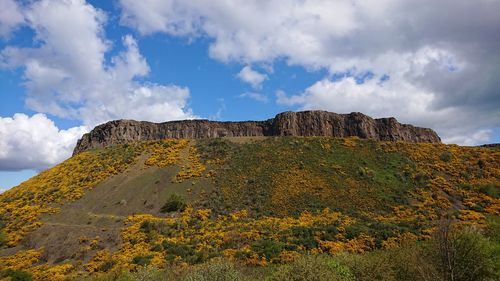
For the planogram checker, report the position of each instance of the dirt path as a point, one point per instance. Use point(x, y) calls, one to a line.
point(183, 155)
point(455, 203)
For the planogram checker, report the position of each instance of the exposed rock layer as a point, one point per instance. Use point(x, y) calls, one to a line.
point(305, 123)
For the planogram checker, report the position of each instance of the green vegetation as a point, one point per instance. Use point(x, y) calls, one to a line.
point(285, 208)
point(142, 260)
point(313, 267)
point(446, 156)
point(453, 253)
point(220, 271)
point(174, 204)
point(16, 275)
point(313, 173)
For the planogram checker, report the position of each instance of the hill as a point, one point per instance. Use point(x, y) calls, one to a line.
point(256, 201)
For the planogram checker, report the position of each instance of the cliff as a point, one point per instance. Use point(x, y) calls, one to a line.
point(305, 123)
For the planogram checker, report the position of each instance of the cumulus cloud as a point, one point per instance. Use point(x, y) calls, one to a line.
point(10, 17)
point(252, 77)
point(255, 96)
point(34, 142)
point(447, 50)
point(479, 137)
point(383, 95)
point(67, 74)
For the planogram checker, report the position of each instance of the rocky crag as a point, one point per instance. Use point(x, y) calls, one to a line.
point(305, 123)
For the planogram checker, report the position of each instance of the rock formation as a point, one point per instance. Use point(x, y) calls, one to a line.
point(305, 123)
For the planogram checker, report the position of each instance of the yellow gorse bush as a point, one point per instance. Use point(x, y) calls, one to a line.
point(193, 168)
point(165, 153)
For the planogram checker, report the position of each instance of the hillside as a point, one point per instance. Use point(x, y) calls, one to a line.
point(257, 201)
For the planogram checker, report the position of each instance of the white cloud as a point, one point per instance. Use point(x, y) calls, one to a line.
point(403, 100)
point(68, 76)
point(252, 77)
point(34, 142)
point(478, 137)
point(247, 30)
point(255, 96)
point(448, 53)
point(10, 17)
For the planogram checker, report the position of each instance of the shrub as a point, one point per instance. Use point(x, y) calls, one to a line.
point(175, 203)
point(421, 179)
point(157, 248)
point(110, 276)
point(215, 270)
point(147, 226)
point(106, 266)
point(463, 254)
point(446, 156)
point(267, 248)
point(365, 172)
point(186, 252)
point(16, 275)
point(313, 267)
point(142, 260)
point(329, 232)
point(381, 231)
point(491, 190)
point(304, 236)
point(148, 274)
point(354, 230)
point(3, 239)
point(370, 266)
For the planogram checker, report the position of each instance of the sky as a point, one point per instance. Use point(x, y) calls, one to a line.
point(69, 65)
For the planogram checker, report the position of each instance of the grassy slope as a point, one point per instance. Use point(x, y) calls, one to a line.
point(285, 176)
point(380, 191)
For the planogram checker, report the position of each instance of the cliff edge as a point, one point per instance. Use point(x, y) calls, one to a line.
point(304, 123)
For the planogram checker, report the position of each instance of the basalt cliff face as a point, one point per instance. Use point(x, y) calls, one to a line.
point(305, 123)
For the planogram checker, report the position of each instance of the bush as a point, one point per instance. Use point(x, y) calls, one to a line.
point(314, 267)
point(186, 252)
point(267, 248)
point(304, 236)
point(354, 230)
point(464, 254)
point(446, 156)
point(3, 239)
point(365, 172)
point(105, 267)
point(370, 266)
point(180, 250)
point(142, 260)
point(215, 270)
point(147, 226)
point(421, 179)
point(175, 203)
point(381, 231)
point(110, 276)
point(16, 275)
point(491, 190)
point(148, 274)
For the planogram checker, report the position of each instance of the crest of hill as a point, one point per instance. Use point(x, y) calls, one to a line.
point(304, 123)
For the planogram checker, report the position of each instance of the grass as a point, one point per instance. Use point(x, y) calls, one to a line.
point(248, 178)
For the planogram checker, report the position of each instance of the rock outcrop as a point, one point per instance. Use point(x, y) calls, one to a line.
point(305, 123)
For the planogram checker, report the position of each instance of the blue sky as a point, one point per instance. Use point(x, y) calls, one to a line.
point(68, 65)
